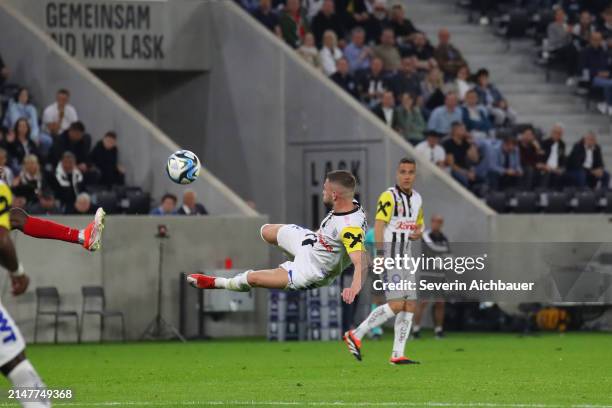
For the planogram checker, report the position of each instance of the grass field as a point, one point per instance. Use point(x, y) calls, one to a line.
point(487, 370)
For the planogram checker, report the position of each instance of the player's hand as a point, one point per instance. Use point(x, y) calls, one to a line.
point(349, 294)
point(19, 284)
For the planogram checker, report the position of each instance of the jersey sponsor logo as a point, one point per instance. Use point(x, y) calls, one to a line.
point(355, 239)
point(6, 331)
point(382, 208)
point(406, 225)
point(310, 239)
point(324, 243)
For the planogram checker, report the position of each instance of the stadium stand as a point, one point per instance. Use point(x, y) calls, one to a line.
point(463, 76)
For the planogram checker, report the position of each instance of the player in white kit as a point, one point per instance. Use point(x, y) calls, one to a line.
point(399, 220)
point(319, 257)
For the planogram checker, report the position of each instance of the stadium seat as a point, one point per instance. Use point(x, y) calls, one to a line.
point(557, 202)
point(586, 202)
point(106, 199)
point(138, 202)
point(94, 303)
point(48, 304)
point(526, 202)
point(497, 201)
point(608, 207)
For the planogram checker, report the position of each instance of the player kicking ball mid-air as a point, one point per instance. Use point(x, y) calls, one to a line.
point(319, 257)
point(13, 362)
point(399, 220)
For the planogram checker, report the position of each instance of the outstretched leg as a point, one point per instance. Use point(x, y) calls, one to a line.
point(90, 237)
point(243, 282)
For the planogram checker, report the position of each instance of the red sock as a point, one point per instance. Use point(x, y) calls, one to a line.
point(40, 228)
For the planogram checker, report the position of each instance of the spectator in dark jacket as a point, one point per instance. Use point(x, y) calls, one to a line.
point(407, 79)
point(449, 58)
point(595, 60)
point(402, 26)
point(531, 154)
point(76, 141)
point(105, 159)
point(386, 110)
point(475, 116)
point(190, 205)
point(45, 205)
point(493, 100)
point(266, 16)
point(343, 78)
point(327, 19)
point(19, 145)
point(372, 83)
point(506, 170)
point(552, 161)
point(68, 181)
point(585, 165)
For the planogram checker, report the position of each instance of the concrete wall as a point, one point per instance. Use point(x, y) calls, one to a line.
point(127, 268)
point(278, 119)
point(44, 67)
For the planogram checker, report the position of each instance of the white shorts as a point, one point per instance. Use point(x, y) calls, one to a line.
point(396, 276)
point(303, 272)
point(11, 340)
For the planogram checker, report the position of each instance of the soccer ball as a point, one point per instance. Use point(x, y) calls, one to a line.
point(183, 167)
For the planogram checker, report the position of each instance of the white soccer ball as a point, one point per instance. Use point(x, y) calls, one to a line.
point(183, 167)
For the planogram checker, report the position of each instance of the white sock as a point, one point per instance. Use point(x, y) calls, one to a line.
point(416, 328)
point(403, 321)
point(238, 283)
point(438, 329)
point(377, 317)
point(24, 375)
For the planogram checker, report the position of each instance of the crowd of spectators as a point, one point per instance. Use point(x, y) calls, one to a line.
point(456, 117)
point(47, 159)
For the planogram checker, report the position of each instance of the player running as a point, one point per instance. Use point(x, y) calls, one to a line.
point(399, 220)
point(318, 256)
point(13, 361)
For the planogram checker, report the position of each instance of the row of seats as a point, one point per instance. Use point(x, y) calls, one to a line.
point(569, 200)
point(121, 200)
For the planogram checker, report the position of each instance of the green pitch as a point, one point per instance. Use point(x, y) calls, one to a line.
point(488, 370)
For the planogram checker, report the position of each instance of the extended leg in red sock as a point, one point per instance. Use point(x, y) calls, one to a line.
point(45, 229)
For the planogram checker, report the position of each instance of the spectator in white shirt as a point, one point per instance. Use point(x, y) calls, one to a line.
point(58, 116)
point(430, 149)
point(330, 53)
point(552, 162)
point(386, 110)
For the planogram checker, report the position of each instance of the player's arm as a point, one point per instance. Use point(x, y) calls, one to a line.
point(353, 240)
point(420, 223)
point(8, 255)
point(384, 210)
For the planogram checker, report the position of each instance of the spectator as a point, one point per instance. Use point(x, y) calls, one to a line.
point(167, 206)
point(73, 140)
point(585, 165)
point(330, 53)
point(552, 160)
point(506, 171)
point(448, 57)
point(58, 116)
point(606, 24)
point(69, 181)
point(583, 30)
point(422, 50)
point(475, 116)
point(6, 174)
point(293, 23)
point(309, 52)
point(105, 159)
point(344, 79)
point(19, 144)
point(432, 89)
point(372, 84)
point(444, 116)
point(385, 111)
point(461, 84)
point(248, 5)
point(530, 152)
point(30, 181)
point(457, 149)
point(407, 79)
point(387, 51)
point(356, 52)
point(312, 7)
point(20, 107)
point(430, 149)
point(560, 44)
point(409, 121)
point(377, 20)
point(4, 72)
point(596, 61)
point(46, 204)
point(327, 20)
point(190, 205)
point(266, 16)
point(402, 27)
point(19, 202)
point(572, 9)
point(82, 205)
point(492, 98)
point(354, 13)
